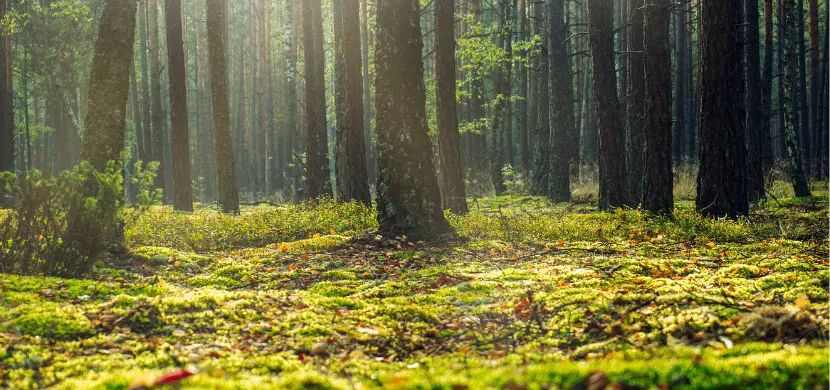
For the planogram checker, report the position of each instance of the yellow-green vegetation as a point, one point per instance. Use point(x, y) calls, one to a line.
point(530, 295)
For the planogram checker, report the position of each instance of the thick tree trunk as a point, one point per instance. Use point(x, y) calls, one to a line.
point(182, 186)
point(6, 100)
point(408, 197)
point(658, 185)
point(613, 186)
point(217, 27)
point(636, 100)
point(109, 85)
point(318, 182)
point(452, 172)
point(561, 104)
point(352, 175)
point(754, 149)
point(721, 182)
point(792, 130)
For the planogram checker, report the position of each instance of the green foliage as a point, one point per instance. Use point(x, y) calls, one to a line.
point(50, 321)
point(514, 181)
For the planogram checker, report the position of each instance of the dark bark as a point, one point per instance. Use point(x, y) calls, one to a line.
point(408, 197)
point(109, 85)
point(452, 171)
point(636, 100)
point(613, 186)
point(805, 139)
point(6, 100)
point(145, 85)
point(766, 91)
point(792, 129)
point(658, 185)
point(500, 125)
point(352, 175)
point(679, 133)
point(561, 104)
point(318, 182)
point(540, 180)
point(217, 27)
point(815, 89)
point(754, 149)
point(182, 186)
point(721, 182)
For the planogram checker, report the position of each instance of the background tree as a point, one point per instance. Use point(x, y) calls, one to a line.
point(636, 98)
point(408, 197)
point(6, 95)
point(658, 195)
point(613, 191)
point(754, 148)
point(721, 182)
point(561, 104)
point(217, 24)
point(318, 182)
point(352, 175)
point(452, 171)
point(182, 187)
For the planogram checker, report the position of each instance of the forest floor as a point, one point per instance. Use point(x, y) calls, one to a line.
point(530, 295)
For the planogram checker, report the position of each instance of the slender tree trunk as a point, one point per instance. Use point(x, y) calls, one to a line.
point(367, 90)
point(791, 89)
point(524, 158)
point(408, 200)
point(721, 182)
point(801, 103)
point(766, 91)
point(317, 160)
point(540, 183)
point(658, 183)
point(636, 100)
point(679, 135)
point(352, 175)
point(613, 186)
point(815, 89)
point(217, 27)
point(182, 189)
point(156, 117)
point(561, 105)
point(754, 164)
point(6, 100)
point(452, 172)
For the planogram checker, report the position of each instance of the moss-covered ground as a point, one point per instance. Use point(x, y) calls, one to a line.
point(530, 295)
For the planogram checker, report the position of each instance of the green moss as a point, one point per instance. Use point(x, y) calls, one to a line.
point(63, 322)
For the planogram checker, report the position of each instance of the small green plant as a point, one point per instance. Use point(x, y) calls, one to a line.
point(514, 181)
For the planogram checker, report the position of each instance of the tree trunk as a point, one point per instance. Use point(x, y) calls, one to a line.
point(561, 104)
point(109, 85)
point(792, 129)
point(352, 175)
point(721, 182)
point(452, 172)
point(317, 159)
point(658, 186)
point(636, 99)
point(801, 103)
point(766, 91)
point(524, 157)
point(182, 188)
point(408, 197)
point(6, 100)
point(217, 26)
point(679, 134)
point(754, 149)
point(815, 89)
point(540, 183)
point(156, 117)
point(613, 186)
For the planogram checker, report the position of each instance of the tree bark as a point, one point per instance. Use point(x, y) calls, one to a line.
point(658, 183)
point(6, 100)
point(217, 26)
point(561, 104)
point(540, 181)
point(352, 175)
point(318, 182)
point(408, 198)
point(613, 186)
point(815, 88)
point(636, 99)
point(766, 90)
point(109, 85)
point(452, 171)
point(182, 186)
point(754, 149)
point(156, 117)
point(801, 103)
point(522, 105)
point(679, 133)
point(721, 182)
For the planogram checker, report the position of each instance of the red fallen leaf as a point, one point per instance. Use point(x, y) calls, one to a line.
point(173, 377)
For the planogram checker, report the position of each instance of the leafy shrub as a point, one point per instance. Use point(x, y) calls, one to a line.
point(514, 182)
point(62, 225)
